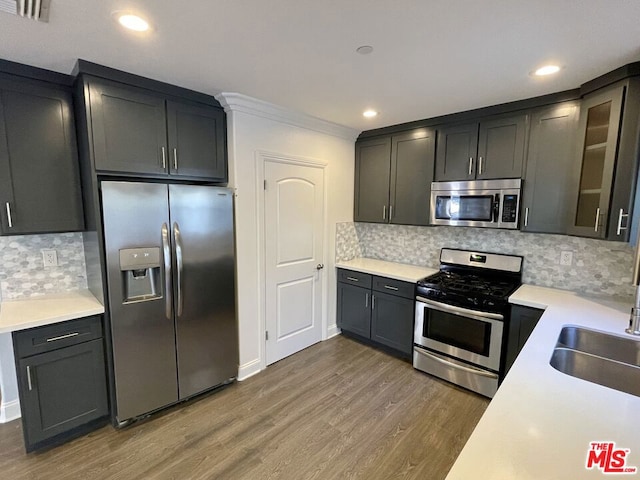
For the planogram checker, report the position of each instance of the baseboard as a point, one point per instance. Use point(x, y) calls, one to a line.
point(249, 369)
point(10, 411)
point(332, 331)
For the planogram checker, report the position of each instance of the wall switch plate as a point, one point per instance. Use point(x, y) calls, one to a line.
point(566, 257)
point(50, 258)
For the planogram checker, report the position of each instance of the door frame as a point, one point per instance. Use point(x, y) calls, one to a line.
point(261, 158)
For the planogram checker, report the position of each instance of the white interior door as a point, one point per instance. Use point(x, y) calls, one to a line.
point(294, 233)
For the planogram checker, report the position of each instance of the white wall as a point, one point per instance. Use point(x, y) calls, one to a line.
point(253, 127)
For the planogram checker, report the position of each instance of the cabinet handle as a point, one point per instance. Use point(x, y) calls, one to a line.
point(353, 279)
point(470, 165)
point(384, 212)
point(62, 337)
point(390, 212)
point(597, 219)
point(620, 227)
point(479, 166)
point(29, 378)
point(164, 158)
point(395, 289)
point(9, 219)
point(175, 159)
point(526, 216)
point(366, 300)
point(373, 302)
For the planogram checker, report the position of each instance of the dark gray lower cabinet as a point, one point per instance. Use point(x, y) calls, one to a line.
point(377, 308)
point(61, 380)
point(522, 322)
point(392, 321)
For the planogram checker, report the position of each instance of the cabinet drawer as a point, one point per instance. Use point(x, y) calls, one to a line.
point(355, 278)
point(394, 287)
point(58, 335)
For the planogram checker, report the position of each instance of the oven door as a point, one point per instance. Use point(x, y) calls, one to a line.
point(465, 334)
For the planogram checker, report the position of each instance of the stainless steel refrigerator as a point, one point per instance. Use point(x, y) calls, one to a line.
point(171, 292)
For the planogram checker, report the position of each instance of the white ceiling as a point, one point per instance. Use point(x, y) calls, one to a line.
point(431, 57)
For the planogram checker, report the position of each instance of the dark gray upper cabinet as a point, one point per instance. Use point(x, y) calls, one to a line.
point(373, 170)
point(196, 140)
point(493, 148)
point(550, 161)
point(412, 171)
point(129, 129)
point(139, 132)
point(393, 178)
point(501, 147)
point(456, 152)
point(598, 131)
point(39, 172)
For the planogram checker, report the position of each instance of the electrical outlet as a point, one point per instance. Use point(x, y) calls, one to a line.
point(566, 257)
point(50, 258)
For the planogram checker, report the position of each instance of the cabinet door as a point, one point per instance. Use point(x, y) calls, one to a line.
point(392, 321)
point(373, 170)
point(412, 171)
point(550, 161)
point(598, 142)
point(501, 147)
point(456, 152)
point(62, 390)
point(196, 141)
point(40, 185)
point(128, 130)
point(521, 323)
point(354, 309)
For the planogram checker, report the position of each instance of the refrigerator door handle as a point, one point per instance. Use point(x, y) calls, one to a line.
point(178, 248)
point(166, 253)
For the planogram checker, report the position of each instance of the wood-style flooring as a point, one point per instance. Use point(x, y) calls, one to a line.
point(338, 409)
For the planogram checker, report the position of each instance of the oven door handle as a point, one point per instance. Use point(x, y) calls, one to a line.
point(443, 307)
point(439, 359)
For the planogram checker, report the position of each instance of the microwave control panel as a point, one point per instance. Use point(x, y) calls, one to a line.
point(509, 208)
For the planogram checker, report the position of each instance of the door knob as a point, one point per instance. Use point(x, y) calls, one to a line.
point(320, 266)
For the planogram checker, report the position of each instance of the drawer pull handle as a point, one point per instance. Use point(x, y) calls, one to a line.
point(29, 378)
point(395, 289)
point(353, 279)
point(62, 337)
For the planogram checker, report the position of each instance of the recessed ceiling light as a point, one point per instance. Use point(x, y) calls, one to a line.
point(133, 22)
point(369, 113)
point(547, 70)
point(364, 49)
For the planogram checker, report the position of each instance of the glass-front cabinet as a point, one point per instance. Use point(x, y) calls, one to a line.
point(600, 117)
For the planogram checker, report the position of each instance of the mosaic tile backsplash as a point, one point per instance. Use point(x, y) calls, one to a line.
point(22, 274)
point(599, 267)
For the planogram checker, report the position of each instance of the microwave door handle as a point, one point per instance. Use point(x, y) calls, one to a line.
point(496, 208)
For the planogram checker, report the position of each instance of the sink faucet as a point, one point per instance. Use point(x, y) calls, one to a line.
point(634, 319)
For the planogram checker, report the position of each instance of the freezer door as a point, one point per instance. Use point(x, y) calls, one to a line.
point(140, 307)
point(205, 300)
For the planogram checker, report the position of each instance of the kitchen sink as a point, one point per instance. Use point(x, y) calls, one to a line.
point(616, 348)
point(600, 358)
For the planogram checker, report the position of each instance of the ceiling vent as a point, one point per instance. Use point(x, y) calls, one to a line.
point(34, 9)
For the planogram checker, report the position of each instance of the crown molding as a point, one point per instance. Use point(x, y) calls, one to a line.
point(237, 102)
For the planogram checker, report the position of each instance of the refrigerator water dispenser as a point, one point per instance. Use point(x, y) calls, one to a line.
point(140, 268)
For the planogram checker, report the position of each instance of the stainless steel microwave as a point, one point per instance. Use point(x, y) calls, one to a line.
point(477, 203)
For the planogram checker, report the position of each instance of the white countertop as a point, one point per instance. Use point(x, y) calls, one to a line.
point(398, 271)
point(541, 421)
point(47, 309)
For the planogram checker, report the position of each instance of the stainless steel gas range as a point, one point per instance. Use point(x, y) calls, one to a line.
point(461, 318)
